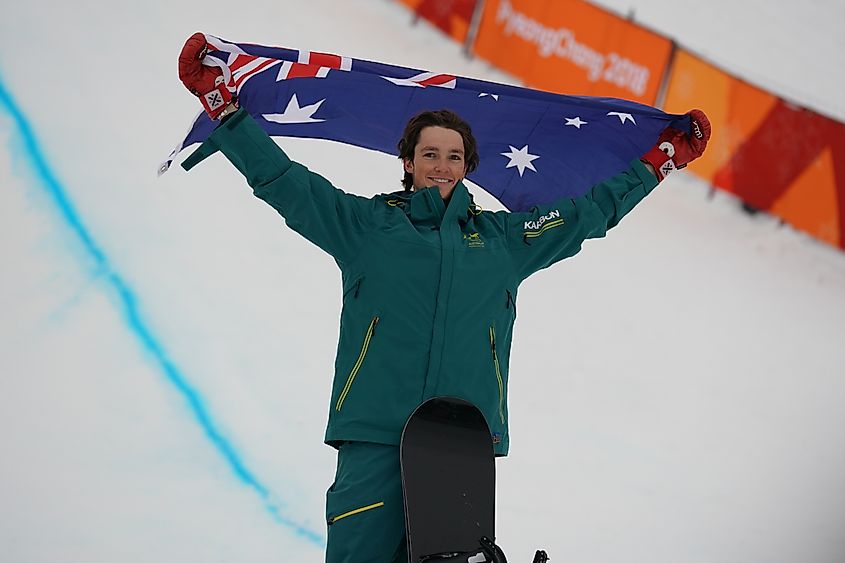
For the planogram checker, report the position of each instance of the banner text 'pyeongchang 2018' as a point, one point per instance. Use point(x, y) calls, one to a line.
point(572, 47)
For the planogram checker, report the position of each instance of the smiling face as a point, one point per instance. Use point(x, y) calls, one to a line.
point(438, 160)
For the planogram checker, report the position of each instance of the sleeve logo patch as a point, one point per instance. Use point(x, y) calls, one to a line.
point(542, 224)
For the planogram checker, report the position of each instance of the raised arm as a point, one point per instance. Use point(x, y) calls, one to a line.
point(334, 220)
point(550, 233)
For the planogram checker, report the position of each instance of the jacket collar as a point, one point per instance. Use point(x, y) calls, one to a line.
point(426, 207)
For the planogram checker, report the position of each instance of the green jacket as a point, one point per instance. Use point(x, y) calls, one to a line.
point(429, 289)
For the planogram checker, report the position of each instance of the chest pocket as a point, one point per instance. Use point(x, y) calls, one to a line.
point(511, 302)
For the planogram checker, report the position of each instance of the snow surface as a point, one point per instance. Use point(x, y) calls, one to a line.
point(167, 344)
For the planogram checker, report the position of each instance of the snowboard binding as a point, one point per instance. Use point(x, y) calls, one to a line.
point(489, 552)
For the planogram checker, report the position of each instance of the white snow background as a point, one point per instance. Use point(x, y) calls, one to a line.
point(677, 389)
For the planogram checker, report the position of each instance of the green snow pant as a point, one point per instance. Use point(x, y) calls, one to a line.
point(364, 507)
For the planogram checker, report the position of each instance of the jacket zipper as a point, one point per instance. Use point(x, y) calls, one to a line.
point(357, 367)
point(498, 373)
point(354, 512)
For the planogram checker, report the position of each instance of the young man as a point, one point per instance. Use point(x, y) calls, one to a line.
point(429, 287)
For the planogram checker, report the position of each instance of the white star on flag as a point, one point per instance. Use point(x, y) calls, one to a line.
point(494, 96)
point(295, 113)
point(623, 117)
point(520, 158)
point(575, 121)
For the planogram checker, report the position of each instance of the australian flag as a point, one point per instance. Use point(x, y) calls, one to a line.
point(535, 147)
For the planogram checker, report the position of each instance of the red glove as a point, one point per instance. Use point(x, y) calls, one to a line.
point(675, 149)
point(203, 81)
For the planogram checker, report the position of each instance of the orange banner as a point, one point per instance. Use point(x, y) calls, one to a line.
point(453, 17)
point(776, 157)
point(572, 47)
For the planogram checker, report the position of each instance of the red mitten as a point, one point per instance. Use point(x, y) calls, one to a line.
point(675, 149)
point(203, 81)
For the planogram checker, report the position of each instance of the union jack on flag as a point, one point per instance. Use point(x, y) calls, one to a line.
point(535, 146)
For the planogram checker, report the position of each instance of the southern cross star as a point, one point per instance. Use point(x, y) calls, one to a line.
point(575, 121)
point(295, 113)
point(520, 158)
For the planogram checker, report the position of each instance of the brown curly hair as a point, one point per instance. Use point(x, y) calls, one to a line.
point(440, 118)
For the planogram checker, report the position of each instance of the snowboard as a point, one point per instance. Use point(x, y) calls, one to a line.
point(449, 482)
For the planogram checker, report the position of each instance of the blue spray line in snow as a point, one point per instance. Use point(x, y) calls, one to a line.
point(136, 324)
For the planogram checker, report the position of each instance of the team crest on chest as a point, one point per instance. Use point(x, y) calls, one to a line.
point(473, 240)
